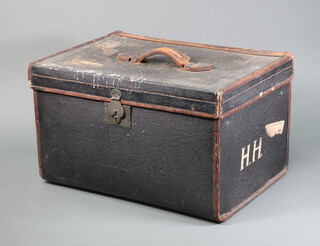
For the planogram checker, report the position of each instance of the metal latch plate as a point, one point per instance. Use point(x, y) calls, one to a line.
point(125, 121)
point(116, 113)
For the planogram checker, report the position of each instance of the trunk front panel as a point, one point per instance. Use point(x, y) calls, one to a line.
point(164, 158)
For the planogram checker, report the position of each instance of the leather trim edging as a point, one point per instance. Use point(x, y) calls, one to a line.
point(124, 89)
point(230, 112)
point(251, 87)
point(130, 103)
point(256, 74)
point(254, 195)
point(205, 46)
point(38, 131)
point(216, 171)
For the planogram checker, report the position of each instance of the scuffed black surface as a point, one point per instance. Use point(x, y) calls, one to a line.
point(140, 97)
point(164, 159)
point(158, 70)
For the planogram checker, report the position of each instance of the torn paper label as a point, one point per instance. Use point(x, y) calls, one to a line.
point(274, 128)
point(84, 62)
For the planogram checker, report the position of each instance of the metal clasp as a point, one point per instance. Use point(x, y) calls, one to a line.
point(115, 112)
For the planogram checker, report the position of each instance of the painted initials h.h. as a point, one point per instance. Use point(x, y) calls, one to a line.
point(245, 157)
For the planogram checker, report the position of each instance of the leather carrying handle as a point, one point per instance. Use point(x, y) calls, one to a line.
point(179, 58)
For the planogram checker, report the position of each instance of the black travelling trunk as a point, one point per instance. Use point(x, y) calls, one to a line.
point(196, 128)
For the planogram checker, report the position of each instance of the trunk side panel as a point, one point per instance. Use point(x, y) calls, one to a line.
point(243, 131)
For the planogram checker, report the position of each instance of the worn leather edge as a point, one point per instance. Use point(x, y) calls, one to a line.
point(216, 171)
point(257, 73)
point(227, 215)
point(125, 102)
point(206, 46)
point(230, 112)
point(66, 50)
point(170, 109)
point(38, 132)
point(121, 88)
point(226, 99)
point(289, 120)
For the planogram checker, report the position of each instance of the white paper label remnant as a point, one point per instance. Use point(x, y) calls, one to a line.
point(274, 128)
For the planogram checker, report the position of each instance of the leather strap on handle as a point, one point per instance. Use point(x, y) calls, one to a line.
point(179, 58)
